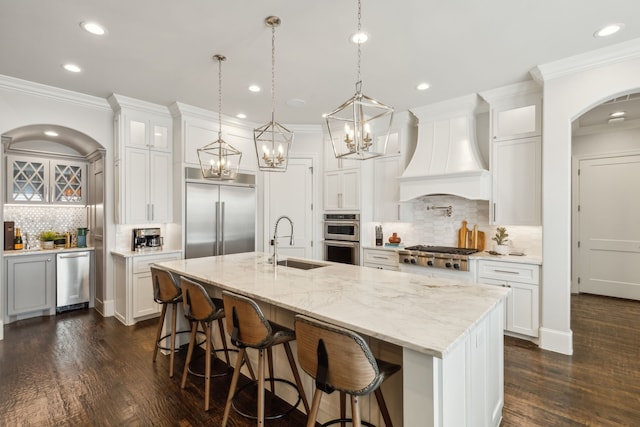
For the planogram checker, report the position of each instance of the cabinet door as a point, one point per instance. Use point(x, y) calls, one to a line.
point(350, 190)
point(522, 309)
point(30, 283)
point(516, 195)
point(386, 196)
point(27, 180)
point(143, 303)
point(160, 138)
point(68, 180)
point(519, 119)
point(136, 131)
point(136, 186)
point(332, 190)
point(160, 187)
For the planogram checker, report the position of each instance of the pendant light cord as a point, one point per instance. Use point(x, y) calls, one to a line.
point(359, 79)
point(273, 72)
point(220, 98)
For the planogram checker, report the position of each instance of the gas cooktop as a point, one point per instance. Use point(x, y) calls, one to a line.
point(442, 249)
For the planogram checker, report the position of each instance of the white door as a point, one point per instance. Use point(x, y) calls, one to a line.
point(291, 193)
point(609, 233)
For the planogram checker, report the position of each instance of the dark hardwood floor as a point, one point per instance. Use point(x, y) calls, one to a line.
point(81, 369)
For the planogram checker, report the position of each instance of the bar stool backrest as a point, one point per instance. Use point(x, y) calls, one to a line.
point(196, 301)
point(348, 364)
point(165, 289)
point(246, 324)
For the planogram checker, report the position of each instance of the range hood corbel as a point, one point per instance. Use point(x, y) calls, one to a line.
point(446, 159)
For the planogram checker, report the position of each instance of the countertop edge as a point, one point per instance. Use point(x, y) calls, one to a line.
point(29, 252)
point(132, 254)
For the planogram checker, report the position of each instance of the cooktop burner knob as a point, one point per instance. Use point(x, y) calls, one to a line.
point(448, 265)
point(406, 261)
point(430, 263)
point(456, 266)
point(413, 260)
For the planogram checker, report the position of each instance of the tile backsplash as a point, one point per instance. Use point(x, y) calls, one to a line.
point(33, 220)
point(434, 227)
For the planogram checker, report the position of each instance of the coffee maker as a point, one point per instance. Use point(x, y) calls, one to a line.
point(146, 239)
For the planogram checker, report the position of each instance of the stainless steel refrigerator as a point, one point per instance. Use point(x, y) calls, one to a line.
point(220, 218)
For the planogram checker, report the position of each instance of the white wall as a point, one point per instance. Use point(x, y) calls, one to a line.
point(571, 87)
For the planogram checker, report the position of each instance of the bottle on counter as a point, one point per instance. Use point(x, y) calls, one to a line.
point(17, 241)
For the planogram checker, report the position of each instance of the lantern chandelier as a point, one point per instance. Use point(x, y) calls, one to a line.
point(273, 140)
point(353, 124)
point(218, 159)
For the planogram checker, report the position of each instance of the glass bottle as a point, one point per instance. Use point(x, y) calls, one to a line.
point(17, 241)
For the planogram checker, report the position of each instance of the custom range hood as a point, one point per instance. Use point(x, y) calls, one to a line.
point(446, 159)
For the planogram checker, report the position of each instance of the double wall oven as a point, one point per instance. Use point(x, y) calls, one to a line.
point(342, 238)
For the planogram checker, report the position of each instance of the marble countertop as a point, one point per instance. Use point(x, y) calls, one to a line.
point(129, 253)
point(426, 314)
point(38, 251)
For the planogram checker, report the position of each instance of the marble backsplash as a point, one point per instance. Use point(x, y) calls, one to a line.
point(33, 220)
point(434, 227)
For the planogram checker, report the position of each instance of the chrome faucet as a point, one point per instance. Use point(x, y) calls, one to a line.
point(274, 259)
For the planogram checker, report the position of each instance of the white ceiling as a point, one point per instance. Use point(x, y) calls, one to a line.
point(160, 50)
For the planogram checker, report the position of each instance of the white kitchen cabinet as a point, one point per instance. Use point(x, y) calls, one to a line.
point(523, 303)
point(134, 288)
point(386, 195)
point(41, 180)
point(516, 111)
point(342, 190)
point(380, 258)
point(516, 175)
point(31, 284)
point(144, 168)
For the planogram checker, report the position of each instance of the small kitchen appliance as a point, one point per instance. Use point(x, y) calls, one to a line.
point(146, 239)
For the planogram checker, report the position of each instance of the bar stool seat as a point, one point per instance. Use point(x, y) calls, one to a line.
point(249, 328)
point(202, 310)
point(166, 293)
point(340, 359)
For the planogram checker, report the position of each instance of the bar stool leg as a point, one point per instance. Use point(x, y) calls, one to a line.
point(207, 364)
point(261, 387)
point(315, 406)
point(383, 408)
point(234, 383)
point(174, 321)
point(159, 332)
point(296, 375)
point(272, 382)
point(343, 407)
point(192, 342)
point(224, 341)
point(355, 412)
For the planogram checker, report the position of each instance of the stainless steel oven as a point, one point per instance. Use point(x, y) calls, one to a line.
point(342, 238)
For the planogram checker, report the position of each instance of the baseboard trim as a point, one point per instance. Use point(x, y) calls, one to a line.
point(108, 308)
point(1, 330)
point(558, 341)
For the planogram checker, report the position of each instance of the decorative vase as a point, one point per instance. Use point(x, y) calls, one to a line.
point(47, 244)
point(394, 238)
point(501, 249)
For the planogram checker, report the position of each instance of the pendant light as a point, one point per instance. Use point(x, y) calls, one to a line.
point(359, 128)
point(272, 140)
point(219, 160)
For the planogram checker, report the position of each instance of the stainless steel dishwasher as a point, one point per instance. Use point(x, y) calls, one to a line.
point(72, 280)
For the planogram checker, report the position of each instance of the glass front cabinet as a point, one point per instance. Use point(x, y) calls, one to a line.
point(42, 181)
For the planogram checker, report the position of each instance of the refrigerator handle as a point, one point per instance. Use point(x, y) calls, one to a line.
point(222, 229)
point(216, 243)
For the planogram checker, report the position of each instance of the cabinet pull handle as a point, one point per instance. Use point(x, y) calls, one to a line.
point(379, 257)
point(153, 211)
point(506, 271)
point(80, 255)
point(494, 212)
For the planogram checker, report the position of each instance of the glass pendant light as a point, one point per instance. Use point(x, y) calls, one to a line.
point(359, 128)
point(272, 140)
point(219, 160)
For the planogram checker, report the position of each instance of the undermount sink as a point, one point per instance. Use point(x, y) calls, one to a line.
point(299, 264)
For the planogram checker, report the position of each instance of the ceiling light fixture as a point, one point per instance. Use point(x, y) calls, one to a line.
point(608, 30)
point(93, 28)
point(51, 133)
point(359, 37)
point(617, 114)
point(423, 86)
point(352, 125)
point(241, 116)
point(219, 160)
point(273, 140)
point(72, 68)
point(254, 88)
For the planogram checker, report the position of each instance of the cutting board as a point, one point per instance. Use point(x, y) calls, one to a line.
point(474, 239)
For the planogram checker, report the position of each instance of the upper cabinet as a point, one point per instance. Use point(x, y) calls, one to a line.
point(143, 165)
point(516, 154)
point(37, 180)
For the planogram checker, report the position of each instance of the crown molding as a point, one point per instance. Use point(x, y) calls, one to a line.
point(119, 102)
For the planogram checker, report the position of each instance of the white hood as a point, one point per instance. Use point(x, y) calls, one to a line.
point(446, 159)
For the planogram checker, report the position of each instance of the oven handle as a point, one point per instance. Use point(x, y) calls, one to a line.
point(343, 223)
point(342, 243)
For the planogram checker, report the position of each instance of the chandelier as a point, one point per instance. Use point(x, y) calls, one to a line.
point(272, 140)
point(218, 159)
point(359, 128)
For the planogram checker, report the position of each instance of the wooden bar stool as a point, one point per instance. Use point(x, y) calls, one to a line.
point(340, 359)
point(249, 328)
point(202, 310)
point(166, 292)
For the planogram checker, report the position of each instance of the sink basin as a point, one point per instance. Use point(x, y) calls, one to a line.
point(299, 264)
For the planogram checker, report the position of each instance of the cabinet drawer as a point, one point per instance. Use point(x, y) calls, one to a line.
point(373, 256)
point(512, 272)
point(382, 266)
point(142, 264)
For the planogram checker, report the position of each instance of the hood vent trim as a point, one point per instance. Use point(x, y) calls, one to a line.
point(446, 159)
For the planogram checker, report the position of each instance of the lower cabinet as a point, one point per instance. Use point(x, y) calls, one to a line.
point(523, 303)
point(380, 258)
point(31, 284)
point(134, 288)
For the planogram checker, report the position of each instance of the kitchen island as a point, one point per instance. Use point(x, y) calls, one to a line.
point(447, 334)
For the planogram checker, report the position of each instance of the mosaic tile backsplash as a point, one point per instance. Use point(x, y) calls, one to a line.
point(33, 220)
point(433, 227)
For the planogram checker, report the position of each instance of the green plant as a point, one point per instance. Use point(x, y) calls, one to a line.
point(501, 236)
point(48, 236)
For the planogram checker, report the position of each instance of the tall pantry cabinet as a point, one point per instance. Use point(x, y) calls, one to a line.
point(143, 161)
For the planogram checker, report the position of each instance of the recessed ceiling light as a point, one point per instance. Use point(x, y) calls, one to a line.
point(93, 28)
point(254, 88)
point(51, 133)
point(241, 116)
point(72, 68)
point(608, 30)
point(359, 37)
point(617, 114)
point(423, 86)
point(616, 120)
